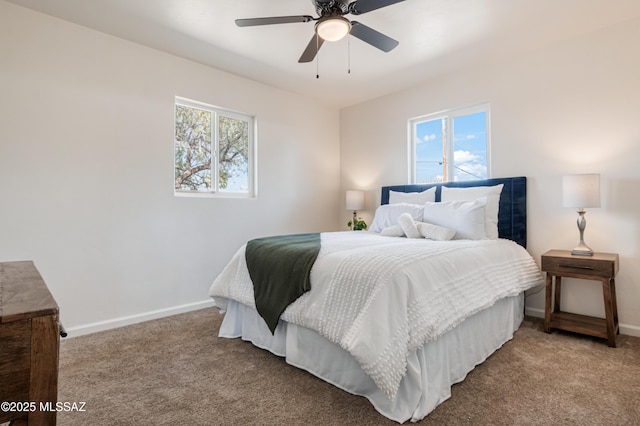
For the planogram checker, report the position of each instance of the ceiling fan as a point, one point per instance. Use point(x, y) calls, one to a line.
point(331, 25)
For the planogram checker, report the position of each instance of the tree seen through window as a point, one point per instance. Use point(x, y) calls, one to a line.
point(212, 150)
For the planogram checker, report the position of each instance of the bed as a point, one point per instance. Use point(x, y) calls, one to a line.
point(372, 324)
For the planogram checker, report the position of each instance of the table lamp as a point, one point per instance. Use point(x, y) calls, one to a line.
point(355, 202)
point(581, 191)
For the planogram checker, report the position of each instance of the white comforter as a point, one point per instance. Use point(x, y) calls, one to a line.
point(380, 298)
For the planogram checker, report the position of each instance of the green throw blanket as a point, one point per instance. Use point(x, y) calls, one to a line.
point(280, 269)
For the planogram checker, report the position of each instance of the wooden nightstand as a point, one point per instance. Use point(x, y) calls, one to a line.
point(601, 267)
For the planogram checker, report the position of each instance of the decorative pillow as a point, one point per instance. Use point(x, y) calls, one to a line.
point(412, 197)
point(408, 226)
point(387, 215)
point(392, 231)
point(467, 218)
point(427, 230)
point(469, 194)
point(435, 232)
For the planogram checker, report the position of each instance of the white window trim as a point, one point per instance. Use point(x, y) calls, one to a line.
point(449, 114)
point(252, 191)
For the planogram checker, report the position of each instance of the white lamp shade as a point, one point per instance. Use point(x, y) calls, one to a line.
point(333, 29)
point(581, 190)
point(355, 199)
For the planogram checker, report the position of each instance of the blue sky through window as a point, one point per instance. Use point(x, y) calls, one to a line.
point(469, 136)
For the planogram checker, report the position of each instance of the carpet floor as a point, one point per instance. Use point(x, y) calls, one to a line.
point(176, 371)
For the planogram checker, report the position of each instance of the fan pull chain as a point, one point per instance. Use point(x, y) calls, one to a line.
point(349, 54)
point(317, 57)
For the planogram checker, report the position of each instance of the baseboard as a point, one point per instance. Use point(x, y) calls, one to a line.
point(134, 319)
point(626, 329)
point(629, 330)
point(534, 312)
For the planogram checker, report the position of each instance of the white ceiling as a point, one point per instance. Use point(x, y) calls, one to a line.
point(435, 36)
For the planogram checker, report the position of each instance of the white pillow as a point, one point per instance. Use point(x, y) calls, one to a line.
point(387, 215)
point(408, 226)
point(412, 197)
point(469, 194)
point(427, 230)
point(392, 231)
point(464, 217)
point(435, 232)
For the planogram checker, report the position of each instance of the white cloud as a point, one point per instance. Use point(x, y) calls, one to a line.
point(426, 138)
point(469, 163)
point(464, 157)
point(478, 170)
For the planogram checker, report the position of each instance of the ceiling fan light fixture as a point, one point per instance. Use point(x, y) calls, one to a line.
point(333, 28)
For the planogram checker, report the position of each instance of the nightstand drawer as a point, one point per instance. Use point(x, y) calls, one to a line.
point(603, 265)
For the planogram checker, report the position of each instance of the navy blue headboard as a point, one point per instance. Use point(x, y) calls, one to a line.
point(512, 214)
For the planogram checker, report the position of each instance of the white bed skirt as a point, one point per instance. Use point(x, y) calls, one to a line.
point(431, 370)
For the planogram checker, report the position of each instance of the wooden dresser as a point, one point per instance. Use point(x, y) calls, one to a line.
point(29, 346)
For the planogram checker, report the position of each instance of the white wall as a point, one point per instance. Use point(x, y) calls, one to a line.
point(86, 164)
point(86, 157)
point(569, 108)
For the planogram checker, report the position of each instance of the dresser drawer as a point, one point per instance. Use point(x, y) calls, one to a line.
point(15, 350)
point(601, 265)
point(15, 363)
point(15, 386)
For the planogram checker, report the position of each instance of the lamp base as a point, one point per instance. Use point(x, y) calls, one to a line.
point(582, 250)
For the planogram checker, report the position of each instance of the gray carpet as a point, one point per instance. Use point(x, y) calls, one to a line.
point(175, 371)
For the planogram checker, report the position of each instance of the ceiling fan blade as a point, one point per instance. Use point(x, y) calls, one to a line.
point(252, 22)
point(359, 7)
point(373, 37)
point(312, 49)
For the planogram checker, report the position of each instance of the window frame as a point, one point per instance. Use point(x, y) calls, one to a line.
point(252, 190)
point(449, 115)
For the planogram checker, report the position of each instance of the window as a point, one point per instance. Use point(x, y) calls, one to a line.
point(213, 150)
point(450, 146)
